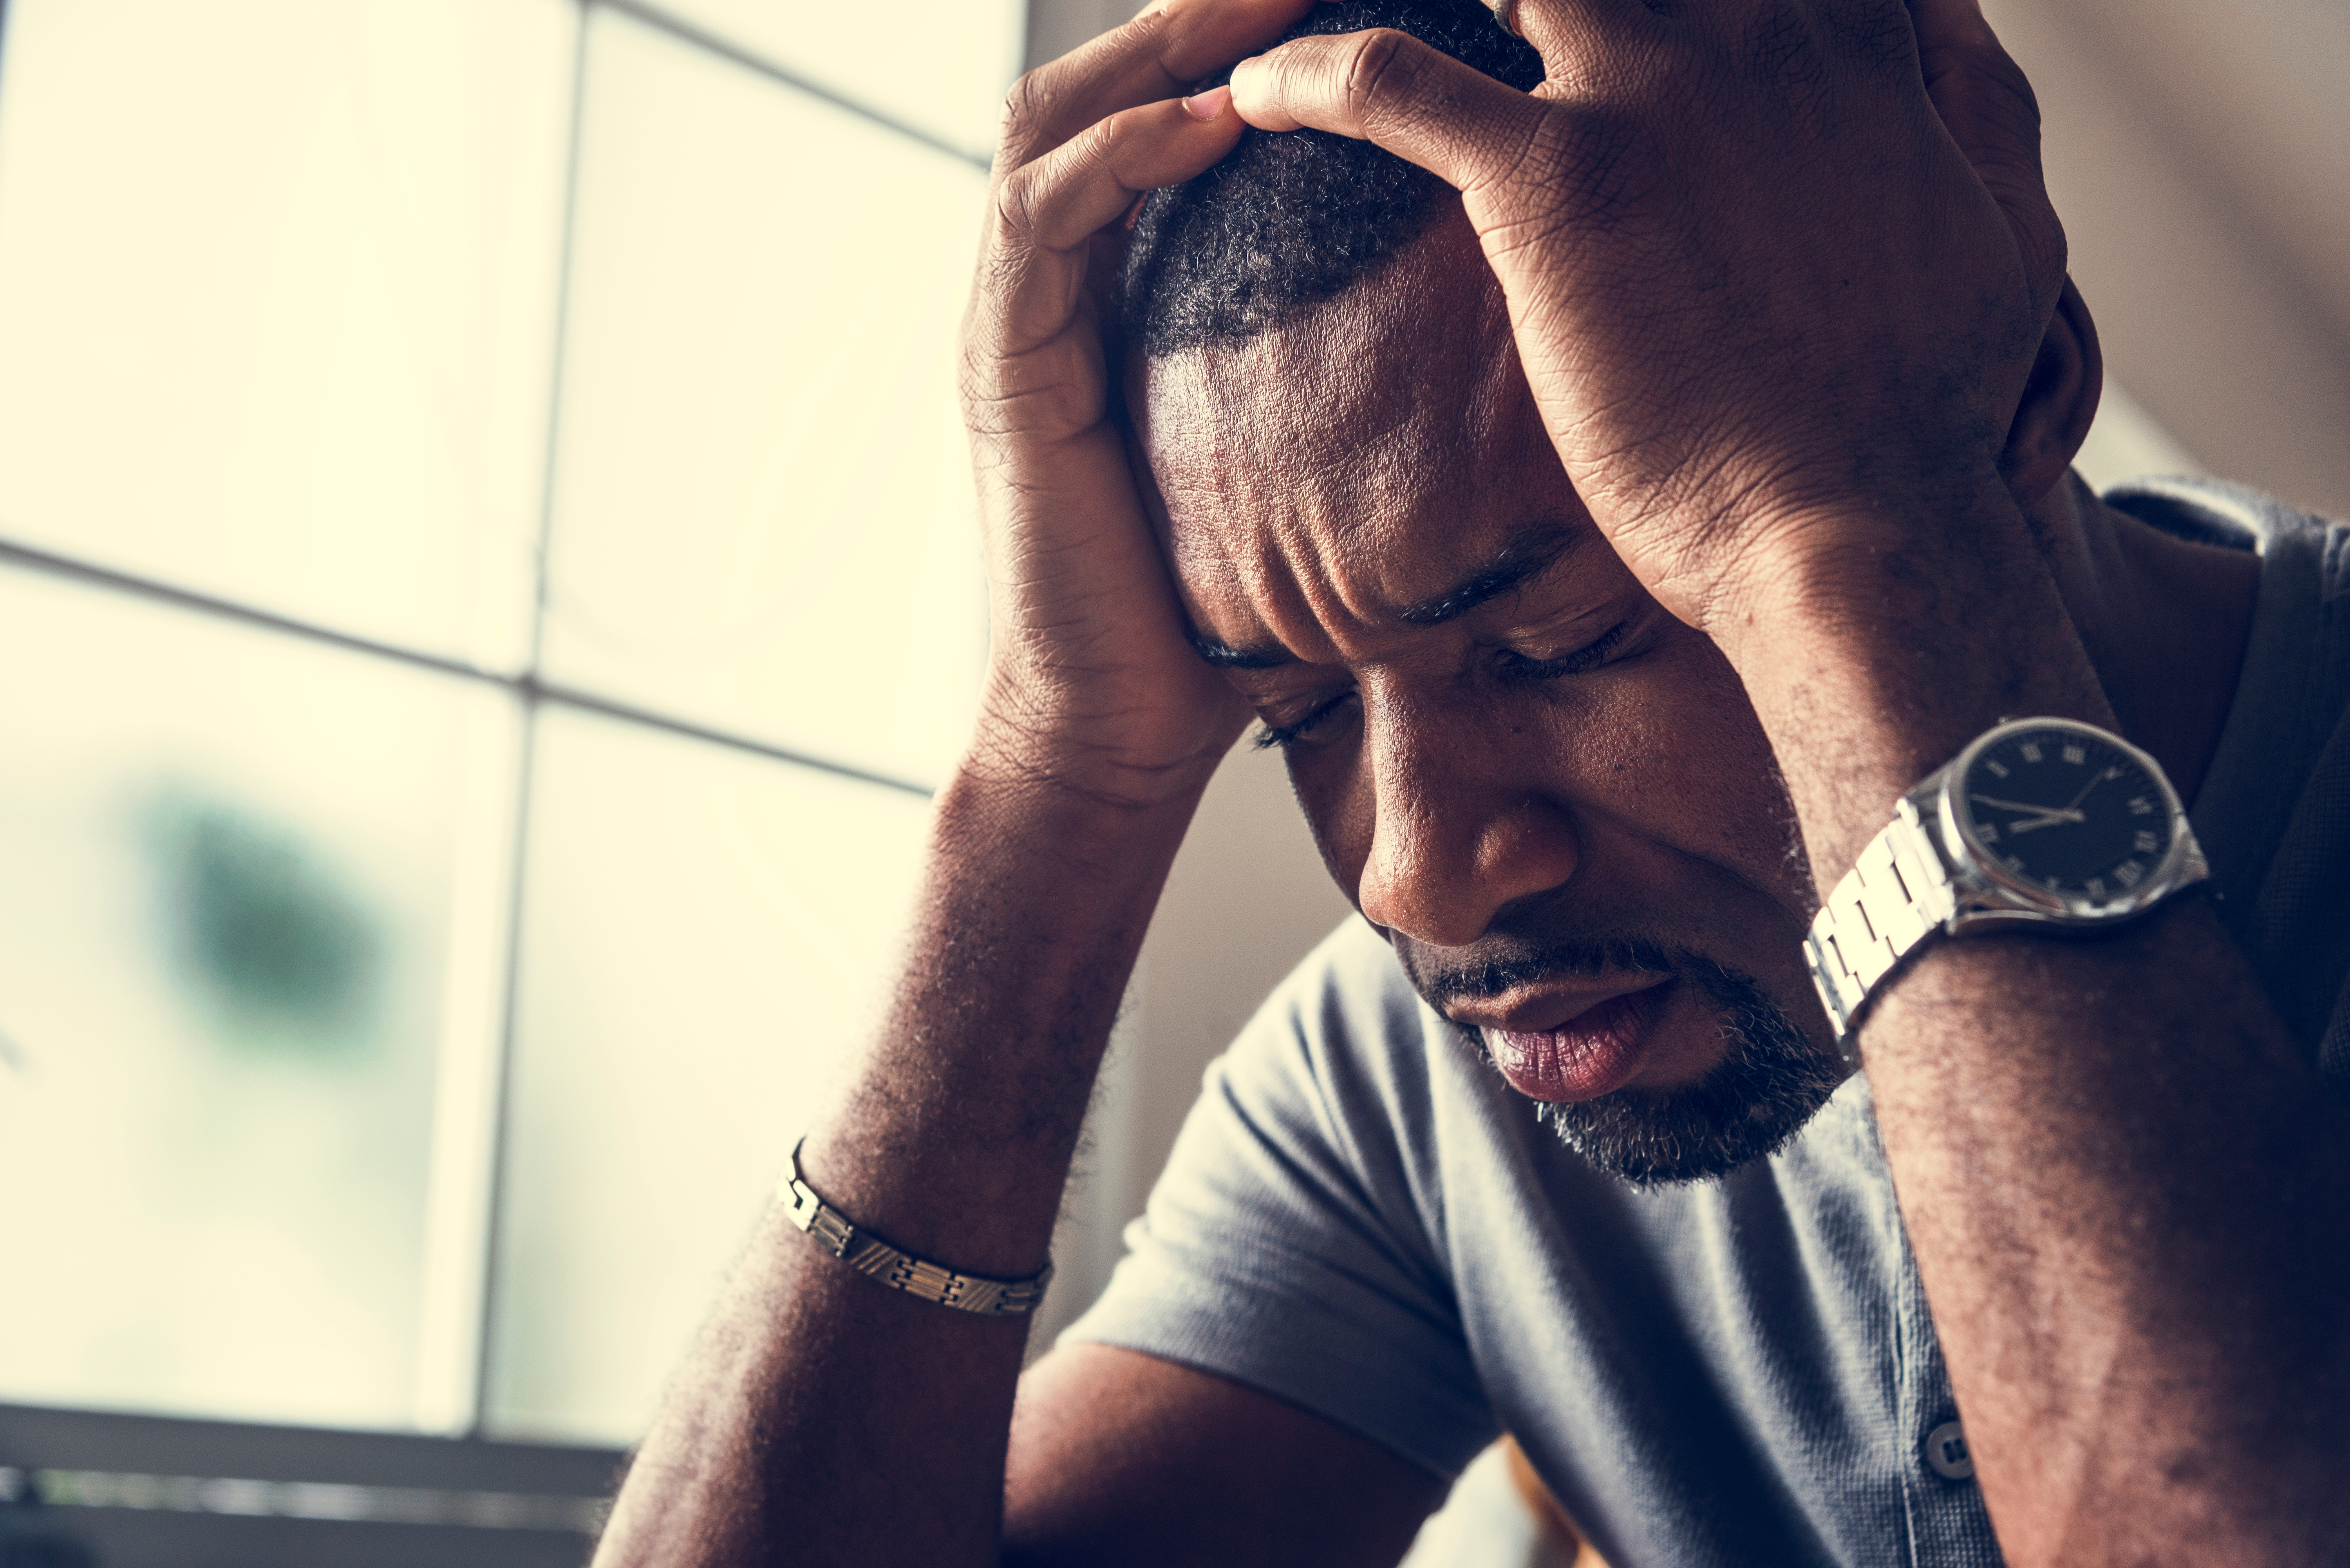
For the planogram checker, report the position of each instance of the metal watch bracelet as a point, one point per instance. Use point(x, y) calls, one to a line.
point(901, 1271)
point(1941, 864)
point(1885, 906)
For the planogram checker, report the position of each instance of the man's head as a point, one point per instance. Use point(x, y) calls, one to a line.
point(1552, 797)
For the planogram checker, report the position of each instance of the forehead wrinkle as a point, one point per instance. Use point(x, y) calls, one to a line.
point(1530, 553)
point(1348, 550)
point(1352, 464)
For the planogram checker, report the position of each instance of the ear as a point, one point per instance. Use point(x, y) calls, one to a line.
point(2059, 402)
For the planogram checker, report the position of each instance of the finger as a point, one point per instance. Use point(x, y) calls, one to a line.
point(1047, 211)
point(1390, 88)
point(1569, 33)
point(1059, 201)
point(1986, 103)
point(1156, 55)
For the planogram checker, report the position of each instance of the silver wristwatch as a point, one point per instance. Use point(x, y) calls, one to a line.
point(2041, 822)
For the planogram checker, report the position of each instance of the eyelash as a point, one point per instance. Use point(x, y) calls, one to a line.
point(1515, 665)
point(1270, 736)
point(1590, 656)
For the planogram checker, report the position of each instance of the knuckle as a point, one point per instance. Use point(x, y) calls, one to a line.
point(1028, 107)
point(1023, 103)
point(1045, 102)
point(1027, 197)
point(2007, 81)
point(1878, 31)
point(1016, 199)
point(1378, 68)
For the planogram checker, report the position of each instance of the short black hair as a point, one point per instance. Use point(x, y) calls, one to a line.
point(1286, 222)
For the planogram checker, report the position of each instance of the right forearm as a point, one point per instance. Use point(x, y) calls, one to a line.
point(823, 1418)
point(959, 1127)
point(860, 1424)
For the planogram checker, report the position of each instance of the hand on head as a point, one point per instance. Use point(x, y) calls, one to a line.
point(1091, 681)
point(1756, 278)
point(1768, 261)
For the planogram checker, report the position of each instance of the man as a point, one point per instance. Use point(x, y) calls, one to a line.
point(1610, 549)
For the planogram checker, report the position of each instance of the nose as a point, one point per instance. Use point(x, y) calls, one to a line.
point(1460, 827)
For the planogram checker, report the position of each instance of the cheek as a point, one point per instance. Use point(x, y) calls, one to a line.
point(1333, 788)
point(1680, 757)
point(1665, 749)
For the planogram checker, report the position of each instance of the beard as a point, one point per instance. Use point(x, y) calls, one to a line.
point(1771, 1080)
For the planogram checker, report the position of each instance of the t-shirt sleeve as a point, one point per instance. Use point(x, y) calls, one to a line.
point(1289, 1244)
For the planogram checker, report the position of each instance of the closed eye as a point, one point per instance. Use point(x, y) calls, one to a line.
point(1514, 665)
point(1268, 736)
point(1590, 656)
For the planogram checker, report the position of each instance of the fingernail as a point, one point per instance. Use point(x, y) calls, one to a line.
point(1208, 105)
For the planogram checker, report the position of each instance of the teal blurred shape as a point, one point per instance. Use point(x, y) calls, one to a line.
point(261, 924)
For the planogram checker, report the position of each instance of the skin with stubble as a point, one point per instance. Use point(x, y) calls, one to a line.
point(1605, 599)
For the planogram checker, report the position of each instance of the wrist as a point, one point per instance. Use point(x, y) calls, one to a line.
point(953, 1134)
point(1112, 757)
point(1875, 652)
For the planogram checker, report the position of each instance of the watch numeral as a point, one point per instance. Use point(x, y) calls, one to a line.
point(2146, 842)
point(2141, 806)
point(1997, 770)
point(2030, 750)
point(1988, 832)
point(2097, 887)
point(2076, 755)
point(2014, 862)
point(2129, 873)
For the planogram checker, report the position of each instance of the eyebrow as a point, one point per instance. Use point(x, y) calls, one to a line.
point(1528, 554)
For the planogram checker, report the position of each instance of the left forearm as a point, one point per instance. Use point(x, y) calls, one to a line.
point(2125, 1194)
point(1885, 638)
point(2125, 1186)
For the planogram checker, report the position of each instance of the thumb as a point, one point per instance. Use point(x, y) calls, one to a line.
point(1986, 105)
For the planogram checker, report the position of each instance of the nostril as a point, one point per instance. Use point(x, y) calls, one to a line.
point(1448, 892)
point(1419, 901)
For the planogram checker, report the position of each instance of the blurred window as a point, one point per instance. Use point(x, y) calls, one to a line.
point(486, 584)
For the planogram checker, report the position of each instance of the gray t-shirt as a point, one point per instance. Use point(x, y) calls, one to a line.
point(1362, 1219)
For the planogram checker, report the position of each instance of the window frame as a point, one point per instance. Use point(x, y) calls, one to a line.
point(450, 1451)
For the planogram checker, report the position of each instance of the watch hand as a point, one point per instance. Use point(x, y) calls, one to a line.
point(2053, 813)
point(2095, 780)
point(2042, 822)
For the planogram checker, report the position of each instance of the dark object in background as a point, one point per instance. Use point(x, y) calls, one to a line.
point(31, 1536)
point(164, 1491)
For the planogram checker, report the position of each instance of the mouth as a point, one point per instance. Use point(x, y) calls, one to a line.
point(1564, 1042)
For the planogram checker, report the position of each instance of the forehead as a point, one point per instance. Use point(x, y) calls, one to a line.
point(1356, 460)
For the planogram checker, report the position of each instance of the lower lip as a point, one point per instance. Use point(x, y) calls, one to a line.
point(1590, 1055)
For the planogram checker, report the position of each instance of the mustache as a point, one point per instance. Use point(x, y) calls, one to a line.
point(1490, 976)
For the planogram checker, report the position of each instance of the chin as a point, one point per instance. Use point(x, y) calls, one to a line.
point(1767, 1083)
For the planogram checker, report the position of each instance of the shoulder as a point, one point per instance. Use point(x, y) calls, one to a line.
point(1340, 1053)
point(1348, 1001)
point(2273, 814)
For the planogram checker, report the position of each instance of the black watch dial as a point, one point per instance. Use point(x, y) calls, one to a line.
point(2068, 812)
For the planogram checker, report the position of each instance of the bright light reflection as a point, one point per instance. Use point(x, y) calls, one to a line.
point(226, 863)
point(764, 514)
point(276, 300)
point(941, 65)
point(707, 935)
point(277, 281)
